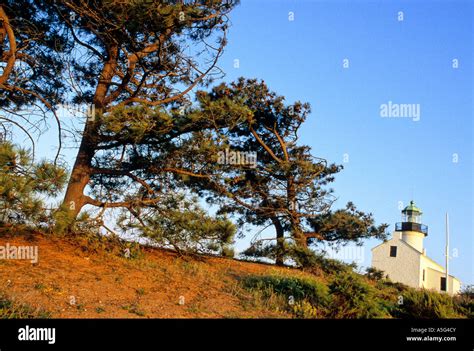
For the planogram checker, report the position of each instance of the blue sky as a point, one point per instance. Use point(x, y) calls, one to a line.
point(406, 62)
point(390, 160)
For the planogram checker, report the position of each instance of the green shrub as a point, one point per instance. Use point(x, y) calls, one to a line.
point(94, 242)
point(393, 286)
point(298, 288)
point(311, 260)
point(304, 297)
point(374, 273)
point(354, 298)
point(228, 251)
point(467, 291)
point(464, 302)
point(425, 304)
point(465, 308)
point(303, 309)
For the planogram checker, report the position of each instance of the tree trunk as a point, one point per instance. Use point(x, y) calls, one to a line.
point(295, 221)
point(280, 247)
point(74, 198)
point(298, 235)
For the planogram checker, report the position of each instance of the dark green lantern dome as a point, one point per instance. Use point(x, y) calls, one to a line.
point(411, 208)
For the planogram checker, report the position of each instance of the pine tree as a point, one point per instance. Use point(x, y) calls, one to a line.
point(287, 188)
point(24, 186)
point(133, 63)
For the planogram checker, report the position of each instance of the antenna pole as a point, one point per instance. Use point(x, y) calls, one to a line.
point(447, 252)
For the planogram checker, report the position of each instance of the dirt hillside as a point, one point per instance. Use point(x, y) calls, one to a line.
point(70, 282)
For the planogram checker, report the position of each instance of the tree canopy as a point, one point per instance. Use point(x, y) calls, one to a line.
point(158, 139)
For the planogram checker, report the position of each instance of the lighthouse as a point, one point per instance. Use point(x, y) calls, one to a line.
point(413, 231)
point(403, 257)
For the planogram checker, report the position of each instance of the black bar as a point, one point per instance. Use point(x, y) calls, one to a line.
point(158, 334)
point(410, 226)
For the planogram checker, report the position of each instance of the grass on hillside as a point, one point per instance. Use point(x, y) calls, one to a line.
point(351, 295)
point(10, 309)
point(150, 283)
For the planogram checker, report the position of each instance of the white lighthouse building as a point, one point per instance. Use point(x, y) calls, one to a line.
point(403, 257)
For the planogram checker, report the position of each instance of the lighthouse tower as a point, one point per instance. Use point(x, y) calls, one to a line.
point(413, 232)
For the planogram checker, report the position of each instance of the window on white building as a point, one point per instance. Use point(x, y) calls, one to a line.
point(443, 284)
point(393, 251)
